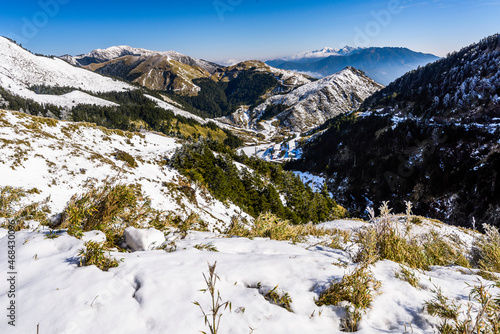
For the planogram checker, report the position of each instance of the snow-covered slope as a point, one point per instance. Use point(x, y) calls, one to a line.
point(58, 158)
point(169, 106)
point(314, 103)
point(20, 69)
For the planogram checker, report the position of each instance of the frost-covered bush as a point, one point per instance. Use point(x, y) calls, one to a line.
point(388, 239)
point(487, 249)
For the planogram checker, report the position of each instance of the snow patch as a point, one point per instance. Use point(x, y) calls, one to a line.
point(141, 239)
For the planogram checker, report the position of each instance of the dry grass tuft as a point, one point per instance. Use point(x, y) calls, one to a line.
point(268, 225)
point(357, 289)
point(11, 206)
point(94, 254)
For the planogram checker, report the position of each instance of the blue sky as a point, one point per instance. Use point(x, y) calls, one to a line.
point(247, 29)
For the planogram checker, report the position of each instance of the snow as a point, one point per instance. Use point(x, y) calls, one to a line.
point(20, 69)
point(59, 160)
point(168, 106)
point(344, 224)
point(315, 182)
point(141, 239)
point(316, 55)
point(95, 236)
point(153, 291)
point(289, 77)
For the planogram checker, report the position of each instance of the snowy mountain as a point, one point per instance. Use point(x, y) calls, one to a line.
point(20, 70)
point(314, 103)
point(311, 56)
point(104, 55)
point(157, 70)
point(381, 64)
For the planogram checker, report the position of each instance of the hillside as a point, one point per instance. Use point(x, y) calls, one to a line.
point(463, 86)
point(312, 104)
point(121, 214)
point(381, 64)
point(20, 70)
point(431, 137)
point(62, 157)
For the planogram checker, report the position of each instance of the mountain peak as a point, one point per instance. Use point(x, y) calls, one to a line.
point(314, 103)
point(320, 54)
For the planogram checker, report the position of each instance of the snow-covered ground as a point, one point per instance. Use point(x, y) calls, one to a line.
point(153, 291)
point(180, 112)
point(58, 160)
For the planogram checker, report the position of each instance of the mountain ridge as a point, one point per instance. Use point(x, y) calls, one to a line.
point(310, 56)
point(382, 64)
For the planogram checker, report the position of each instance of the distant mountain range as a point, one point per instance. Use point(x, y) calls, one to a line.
point(310, 56)
point(170, 70)
point(242, 95)
point(383, 65)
